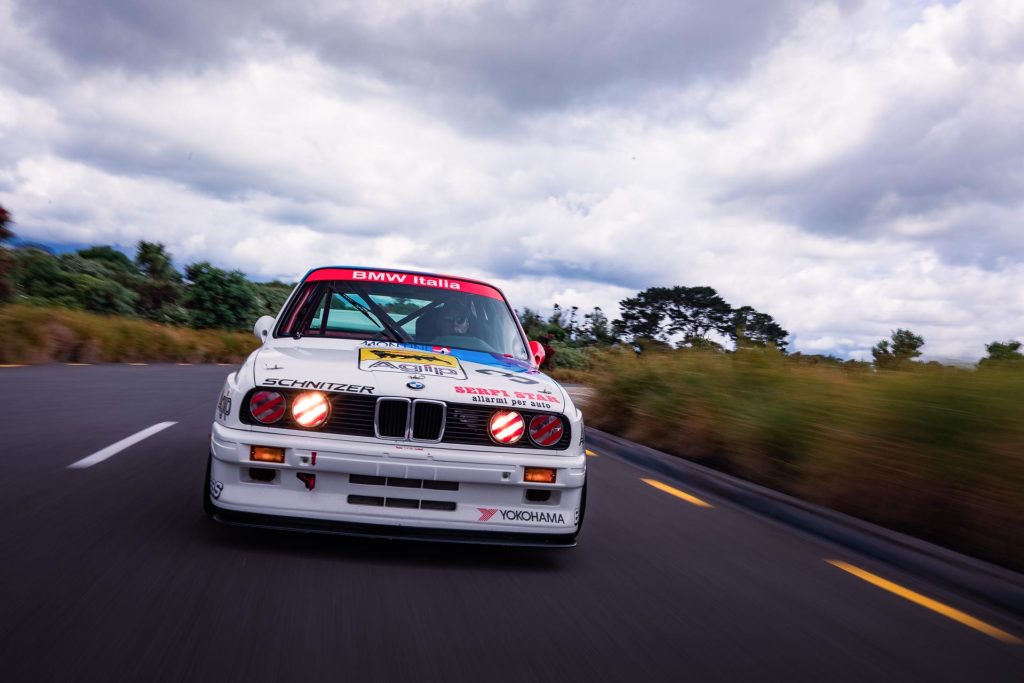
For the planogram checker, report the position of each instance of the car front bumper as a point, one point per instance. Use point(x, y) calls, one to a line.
point(395, 490)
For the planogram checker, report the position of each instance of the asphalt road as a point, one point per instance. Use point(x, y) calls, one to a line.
point(112, 572)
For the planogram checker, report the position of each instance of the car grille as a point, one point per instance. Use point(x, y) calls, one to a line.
point(393, 419)
point(388, 418)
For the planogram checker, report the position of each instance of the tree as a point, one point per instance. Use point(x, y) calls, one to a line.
point(694, 312)
point(6, 260)
point(1003, 354)
point(898, 351)
point(103, 295)
point(532, 323)
point(556, 323)
point(218, 298)
point(97, 285)
point(113, 259)
point(40, 276)
point(659, 313)
point(752, 328)
point(160, 290)
point(596, 328)
point(643, 316)
point(154, 262)
point(272, 296)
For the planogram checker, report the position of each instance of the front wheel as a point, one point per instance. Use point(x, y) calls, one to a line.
point(208, 507)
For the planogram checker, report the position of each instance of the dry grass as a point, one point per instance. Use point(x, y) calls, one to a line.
point(31, 334)
point(937, 453)
point(568, 376)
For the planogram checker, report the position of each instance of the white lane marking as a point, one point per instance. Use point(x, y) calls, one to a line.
point(114, 449)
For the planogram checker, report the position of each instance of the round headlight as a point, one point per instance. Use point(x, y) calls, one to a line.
point(267, 406)
point(506, 426)
point(311, 409)
point(546, 430)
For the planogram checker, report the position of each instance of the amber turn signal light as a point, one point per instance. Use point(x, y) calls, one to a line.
point(540, 475)
point(266, 454)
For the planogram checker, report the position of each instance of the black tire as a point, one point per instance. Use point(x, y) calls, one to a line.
point(208, 507)
point(583, 512)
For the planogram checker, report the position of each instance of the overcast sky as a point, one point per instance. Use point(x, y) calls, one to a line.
point(849, 167)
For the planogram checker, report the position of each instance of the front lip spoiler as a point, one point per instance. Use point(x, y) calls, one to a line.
point(393, 533)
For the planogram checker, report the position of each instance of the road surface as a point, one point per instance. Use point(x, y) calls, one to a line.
point(110, 571)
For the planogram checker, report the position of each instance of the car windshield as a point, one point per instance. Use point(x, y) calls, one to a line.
point(410, 309)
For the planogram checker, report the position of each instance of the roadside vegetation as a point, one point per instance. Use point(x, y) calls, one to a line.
point(932, 451)
point(33, 334)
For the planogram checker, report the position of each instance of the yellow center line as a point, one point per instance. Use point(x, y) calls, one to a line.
point(677, 493)
point(924, 601)
point(591, 453)
point(12, 366)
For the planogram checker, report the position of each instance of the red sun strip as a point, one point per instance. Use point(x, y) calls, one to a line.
point(417, 280)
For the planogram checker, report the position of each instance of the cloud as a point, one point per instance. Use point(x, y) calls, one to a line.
point(915, 132)
point(523, 53)
point(849, 168)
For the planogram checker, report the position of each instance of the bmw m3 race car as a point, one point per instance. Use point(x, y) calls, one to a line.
point(401, 405)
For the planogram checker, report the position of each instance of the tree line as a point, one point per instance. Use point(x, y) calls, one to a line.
point(104, 280)
point(695, 318)
point(903, 347)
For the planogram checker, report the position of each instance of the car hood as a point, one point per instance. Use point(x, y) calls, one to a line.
point(413, 371)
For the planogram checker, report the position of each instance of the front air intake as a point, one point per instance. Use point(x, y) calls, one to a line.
point(428, 420)
point(392, 418)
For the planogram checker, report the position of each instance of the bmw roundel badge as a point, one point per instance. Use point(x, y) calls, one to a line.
point(416, 385)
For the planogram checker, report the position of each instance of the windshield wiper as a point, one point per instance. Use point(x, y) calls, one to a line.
point(366, 312)
point(415, 314)
point(395, 331)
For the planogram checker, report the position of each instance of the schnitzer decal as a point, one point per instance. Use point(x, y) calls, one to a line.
point(312, 384)
point(410, 361)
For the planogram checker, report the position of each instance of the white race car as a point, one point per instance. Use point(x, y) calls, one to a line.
point(400, 405)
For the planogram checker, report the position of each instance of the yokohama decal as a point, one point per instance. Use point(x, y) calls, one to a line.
point(522, 516)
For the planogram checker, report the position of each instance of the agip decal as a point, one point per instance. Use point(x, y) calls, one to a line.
point(410, 361)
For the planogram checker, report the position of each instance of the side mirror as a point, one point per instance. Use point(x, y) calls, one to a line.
point(537, 351)
point(262, 328)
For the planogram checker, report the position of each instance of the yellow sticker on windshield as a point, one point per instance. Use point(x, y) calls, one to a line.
point(410, 361)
